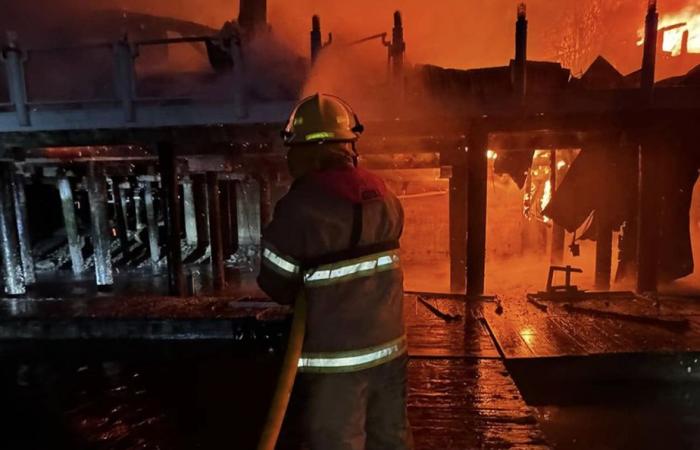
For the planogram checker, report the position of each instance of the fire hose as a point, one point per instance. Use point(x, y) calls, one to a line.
point(285, 382)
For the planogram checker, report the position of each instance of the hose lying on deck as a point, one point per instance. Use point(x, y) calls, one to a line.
point(285, 383)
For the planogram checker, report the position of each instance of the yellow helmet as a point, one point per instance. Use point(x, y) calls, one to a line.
point(322, 118)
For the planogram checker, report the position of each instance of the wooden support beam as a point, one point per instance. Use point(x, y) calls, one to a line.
point(217, 250)
point(97, 196)
point(477, 173)
point(647, 220)
point(168, 173)
point(458, 228)
point(75, 245)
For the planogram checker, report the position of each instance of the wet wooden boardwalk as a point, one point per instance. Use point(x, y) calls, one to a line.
point(460, 394)
point(605, 326)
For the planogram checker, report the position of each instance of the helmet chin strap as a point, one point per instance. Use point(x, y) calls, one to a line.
point(355, 155)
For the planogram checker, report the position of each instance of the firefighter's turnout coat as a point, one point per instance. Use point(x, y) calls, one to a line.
point(335, 234)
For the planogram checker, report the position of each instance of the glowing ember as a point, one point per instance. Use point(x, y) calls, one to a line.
point(490, 154)
point(673, 38)
point(561, 165)
point(546, 197)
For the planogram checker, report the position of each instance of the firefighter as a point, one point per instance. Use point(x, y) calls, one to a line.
point(335, 235)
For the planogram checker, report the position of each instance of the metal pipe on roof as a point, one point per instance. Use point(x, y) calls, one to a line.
point(520, 66)
point(650, 38)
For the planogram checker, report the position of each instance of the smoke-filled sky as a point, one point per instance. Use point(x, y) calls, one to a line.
point(457, 33)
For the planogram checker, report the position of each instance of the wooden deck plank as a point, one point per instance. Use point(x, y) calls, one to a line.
point(465, 404)
point(431, 336)
point(595, 327)
point(506, 331)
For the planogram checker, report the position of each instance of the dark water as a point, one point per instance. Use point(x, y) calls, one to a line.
point(134, 395)
point(615, 402)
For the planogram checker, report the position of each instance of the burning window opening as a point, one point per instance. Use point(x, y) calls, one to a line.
point(680, 31)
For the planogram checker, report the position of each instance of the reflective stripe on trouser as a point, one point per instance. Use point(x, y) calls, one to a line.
point(354, 360)
point(332, 273)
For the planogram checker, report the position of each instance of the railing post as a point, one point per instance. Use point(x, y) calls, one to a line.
point(14, 60)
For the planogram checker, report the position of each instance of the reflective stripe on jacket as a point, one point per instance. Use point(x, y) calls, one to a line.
point(354, 318)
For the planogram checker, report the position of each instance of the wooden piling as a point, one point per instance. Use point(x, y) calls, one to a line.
point(171, 202)
point(22, 219)
point(120, 220)
point(13, 276)
point(217, 250)
point(477, 174)
point(75, 246)
point(458, 227)
point(101, 240)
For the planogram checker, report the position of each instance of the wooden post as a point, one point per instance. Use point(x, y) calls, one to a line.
point(647, 221)
point(603, 251)
point(75, 246)
point(97, 197)
point(458, 228)
point(168, 176)
point(477, 174)
point(648, 196)
point(217, 250)
point(558, 232)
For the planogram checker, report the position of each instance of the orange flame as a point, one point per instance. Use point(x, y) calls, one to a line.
point(546, 198)
point(673, 38)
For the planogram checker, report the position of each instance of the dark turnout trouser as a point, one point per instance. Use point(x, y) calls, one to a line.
point(364, 410)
